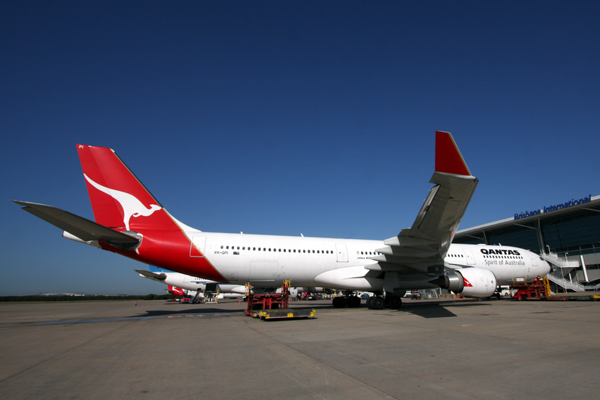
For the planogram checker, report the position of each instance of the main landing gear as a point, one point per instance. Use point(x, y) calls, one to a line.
point(349, 300)
point(377, 302)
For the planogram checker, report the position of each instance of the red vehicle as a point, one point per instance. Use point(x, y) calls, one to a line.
point(186, 300)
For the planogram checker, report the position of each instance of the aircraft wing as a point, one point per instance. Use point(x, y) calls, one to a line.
point(80, 227)
point(423, 246)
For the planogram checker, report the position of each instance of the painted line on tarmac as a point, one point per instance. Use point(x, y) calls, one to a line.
point(93, 320)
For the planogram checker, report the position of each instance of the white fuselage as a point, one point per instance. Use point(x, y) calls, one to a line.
point(195, 284)
point(267, 261)
point(183, 281)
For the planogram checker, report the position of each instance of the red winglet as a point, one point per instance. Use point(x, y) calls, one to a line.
point(447, 156)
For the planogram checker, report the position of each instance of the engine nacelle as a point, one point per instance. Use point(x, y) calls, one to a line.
point(471, 282)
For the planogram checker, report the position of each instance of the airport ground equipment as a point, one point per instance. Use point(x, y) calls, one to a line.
point(539, 289)
point(267, 301)
point(286, 314)
point(272, 306)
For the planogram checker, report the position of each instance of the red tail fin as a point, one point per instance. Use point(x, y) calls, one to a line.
point(118, 198)
point(175, 291)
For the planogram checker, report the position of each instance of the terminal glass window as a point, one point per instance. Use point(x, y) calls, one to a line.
point(575, 233)
point(523, 237)
point(469, 240)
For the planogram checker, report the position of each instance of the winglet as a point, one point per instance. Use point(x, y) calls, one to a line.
point(447, 156)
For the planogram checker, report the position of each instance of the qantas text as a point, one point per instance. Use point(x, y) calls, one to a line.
point(502, 252)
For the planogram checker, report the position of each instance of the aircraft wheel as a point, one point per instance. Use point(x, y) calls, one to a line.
point(395, 302)
point(377, 303)
point(353, 301)
point(339, 302)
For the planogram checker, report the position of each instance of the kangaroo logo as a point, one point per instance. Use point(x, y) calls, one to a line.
point(132, 207)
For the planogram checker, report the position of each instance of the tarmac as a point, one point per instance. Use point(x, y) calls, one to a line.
point(430, 349)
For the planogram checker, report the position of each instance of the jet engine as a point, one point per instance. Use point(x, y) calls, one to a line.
point(470, 282)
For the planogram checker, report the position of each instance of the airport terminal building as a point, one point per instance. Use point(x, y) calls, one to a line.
point(567, 235)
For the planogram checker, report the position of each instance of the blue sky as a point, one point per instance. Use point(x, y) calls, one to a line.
point(287, 117)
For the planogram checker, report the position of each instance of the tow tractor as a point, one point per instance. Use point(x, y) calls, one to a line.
point(270, 306)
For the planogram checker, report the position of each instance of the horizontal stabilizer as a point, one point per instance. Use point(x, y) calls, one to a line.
point(151, 275)
point(80, 227)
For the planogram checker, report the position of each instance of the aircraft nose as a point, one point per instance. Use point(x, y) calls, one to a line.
point(545, 268)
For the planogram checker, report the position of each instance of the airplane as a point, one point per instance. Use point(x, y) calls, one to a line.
point(188, 282)
point(187, 296)
point(129, 221)
point(186, 285)
point(198, 285)
point(196, 296)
